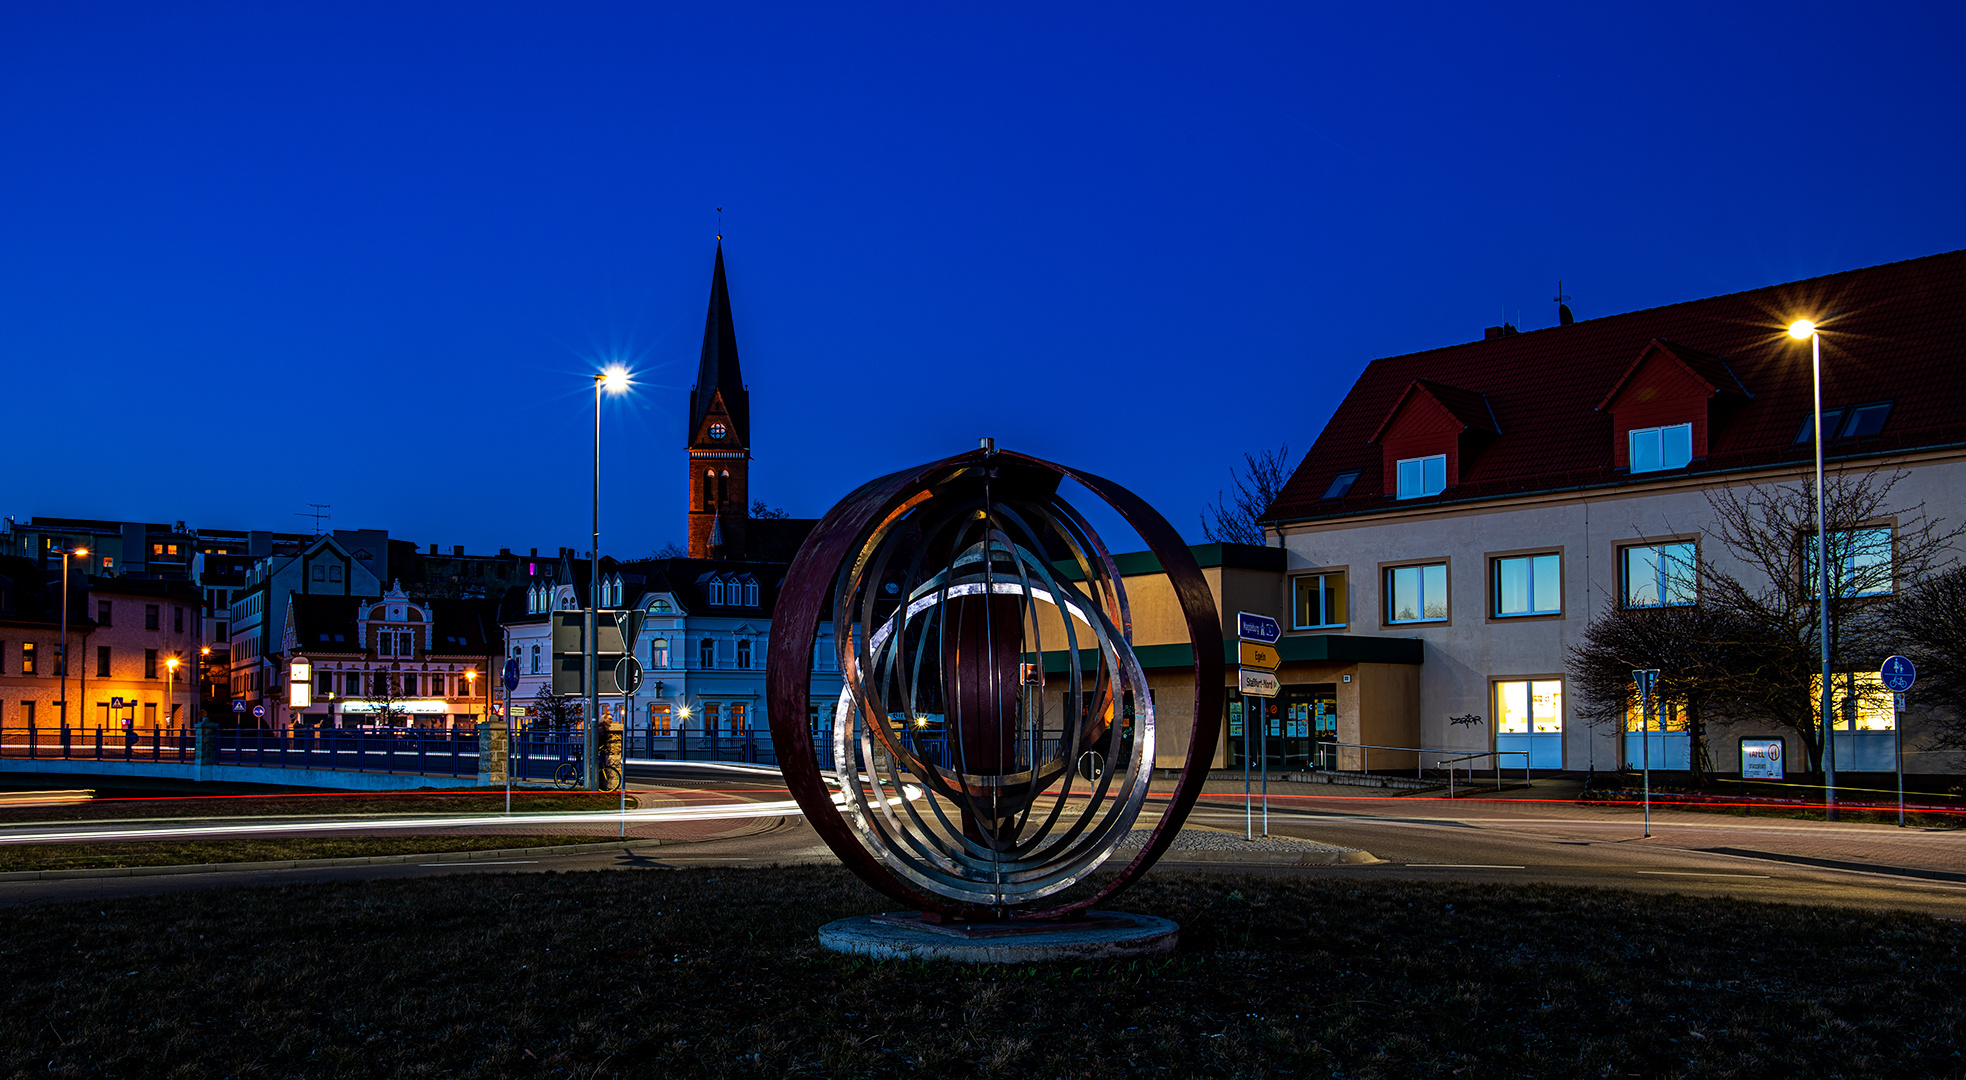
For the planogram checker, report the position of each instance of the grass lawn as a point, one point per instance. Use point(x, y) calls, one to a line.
point(476, 800)
point(16, 857)
point(717, 973)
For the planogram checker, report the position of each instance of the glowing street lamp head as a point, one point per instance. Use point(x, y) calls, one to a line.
point(84, 552)
point(615, 379)
point(171, 662)
point(1801, 329)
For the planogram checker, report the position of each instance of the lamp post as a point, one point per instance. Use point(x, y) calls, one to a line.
point(204, 665)
point(614, 380)
point(63, 659)
point(170, 688)
point(1801, 330)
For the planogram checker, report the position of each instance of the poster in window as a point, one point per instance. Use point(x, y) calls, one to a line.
point(1761, 759)
point(1235, 719)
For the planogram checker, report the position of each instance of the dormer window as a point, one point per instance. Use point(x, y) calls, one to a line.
point(715, 592)
point(750, 594)
point(1657, 448)
point(1422, 476)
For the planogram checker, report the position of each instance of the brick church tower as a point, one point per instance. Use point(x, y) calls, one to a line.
point(719, 436)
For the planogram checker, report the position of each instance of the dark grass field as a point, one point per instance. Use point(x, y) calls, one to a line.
point(19, 857)
point(717, 973)
point(475, 801)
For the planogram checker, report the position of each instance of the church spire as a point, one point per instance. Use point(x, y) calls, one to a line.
point(717, 371)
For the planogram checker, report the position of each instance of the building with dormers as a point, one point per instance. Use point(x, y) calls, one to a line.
point(1488, 500)
point(425, 661)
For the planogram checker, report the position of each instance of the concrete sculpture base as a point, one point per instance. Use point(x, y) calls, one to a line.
point(904, 935)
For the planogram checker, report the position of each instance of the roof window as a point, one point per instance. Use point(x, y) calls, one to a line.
point(1341, 485)
point(1848, 422)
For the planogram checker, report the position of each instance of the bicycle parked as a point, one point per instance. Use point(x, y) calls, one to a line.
point(573, 774)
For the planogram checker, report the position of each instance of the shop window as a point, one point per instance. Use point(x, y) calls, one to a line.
point(1529, 707)
point(1416, 593)
point(1659, 575)
point(1527, 585)
point(1858, 700)
point(1422, 476)
point(1657, 448)
point(1319, 600)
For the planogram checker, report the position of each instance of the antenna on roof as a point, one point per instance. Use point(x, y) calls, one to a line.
point(720, 223)
point(1563, 316)
point(319, 512)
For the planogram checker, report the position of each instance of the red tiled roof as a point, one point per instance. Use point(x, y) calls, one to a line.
point(1707, 368)
point(1892, 332)
point(1470, 409)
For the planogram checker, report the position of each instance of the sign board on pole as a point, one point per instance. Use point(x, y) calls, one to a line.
point(1261, 657)
point(1257, 628)
point(1761, 759)
point(1256, 683)
point(115, 703)
point(1898, 674)
point(511, 674)
point(628, 674)
point(238, 706)
point(259, 712)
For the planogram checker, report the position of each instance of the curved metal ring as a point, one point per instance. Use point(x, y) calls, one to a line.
point(981, 843)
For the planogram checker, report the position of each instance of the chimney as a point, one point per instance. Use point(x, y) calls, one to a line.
point(457, 549)
point(1494, 332)
point(433, 549)
point(534, 554)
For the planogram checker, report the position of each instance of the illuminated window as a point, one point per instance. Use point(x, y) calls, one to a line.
point(1656, 448)
point(1667, 714)
point(1660, 575)
point(1858, 700)
point(712, 717)
point(660, 717)
point(1416, 593)
point(1529, 707)
point(1422, 476)
point(1528, 585)
point(27, 658)
point(1320, 600)
point(659, 653)
point(737, 717)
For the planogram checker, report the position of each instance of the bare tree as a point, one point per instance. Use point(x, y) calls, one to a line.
point(671, 550)
point(1929, 625)
point(760, 510)
point(1775, 609)
point(1691, 647)
point(1258, 483)
point(552, 711)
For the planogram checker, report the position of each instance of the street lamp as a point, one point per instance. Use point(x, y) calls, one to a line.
point(615, 380)
point(1805, 330)
point(170, 687)
point(63, 660)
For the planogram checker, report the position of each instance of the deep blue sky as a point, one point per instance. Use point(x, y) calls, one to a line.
point(259, 256)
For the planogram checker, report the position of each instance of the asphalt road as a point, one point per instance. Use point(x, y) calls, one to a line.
point(1465, 841)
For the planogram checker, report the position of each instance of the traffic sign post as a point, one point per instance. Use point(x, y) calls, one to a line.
point(1257, 681)
point(1898, 674)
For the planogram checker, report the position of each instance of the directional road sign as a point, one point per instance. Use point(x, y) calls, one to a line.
point(511, 674)
point(1261, 657)
point(1258, 628)
point(1257, 683)
point(1898, 674)
point(628, 674)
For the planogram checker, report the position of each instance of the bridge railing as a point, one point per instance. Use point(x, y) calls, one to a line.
point(58, 742)
point(425, 751)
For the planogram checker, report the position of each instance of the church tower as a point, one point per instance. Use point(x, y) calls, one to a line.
point(719, 435)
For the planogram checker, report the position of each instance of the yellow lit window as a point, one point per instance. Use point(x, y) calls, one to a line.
point(1529, 707)
point(1858, 700)
point(1667, 714)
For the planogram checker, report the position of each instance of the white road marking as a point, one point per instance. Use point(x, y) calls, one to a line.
point(1697, 873)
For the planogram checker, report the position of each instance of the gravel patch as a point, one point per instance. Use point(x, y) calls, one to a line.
point(1213, 840)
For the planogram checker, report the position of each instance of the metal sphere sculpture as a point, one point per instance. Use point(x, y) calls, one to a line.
point(964, 788)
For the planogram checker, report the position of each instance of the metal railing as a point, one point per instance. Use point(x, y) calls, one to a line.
point(423, 751)
point(1420, 763)
point(1497, 755)
point(98, 743)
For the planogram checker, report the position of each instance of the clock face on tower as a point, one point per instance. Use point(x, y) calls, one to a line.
point(717, 431)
